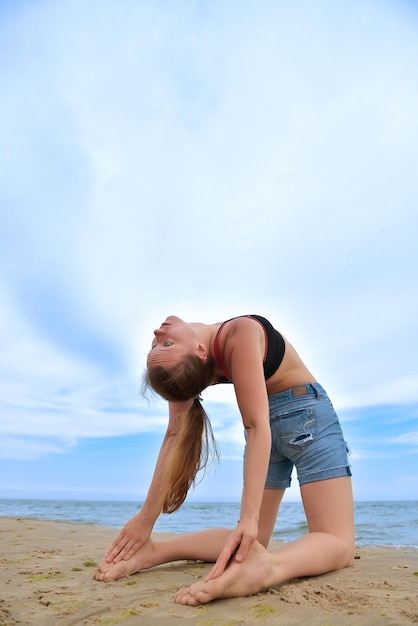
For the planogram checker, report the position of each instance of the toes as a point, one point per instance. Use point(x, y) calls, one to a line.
point(99, 575)
point(181, 594)
point(203, 597)
point(187, 600)
point(193, 597)
point(184, 596)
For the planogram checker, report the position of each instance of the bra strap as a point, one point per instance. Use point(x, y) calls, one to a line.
point(218, 354)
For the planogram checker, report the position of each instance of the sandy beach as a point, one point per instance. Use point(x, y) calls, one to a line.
point(46, 579)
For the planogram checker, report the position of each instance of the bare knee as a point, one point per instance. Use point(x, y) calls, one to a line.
point(346, 553)
point(340, 549)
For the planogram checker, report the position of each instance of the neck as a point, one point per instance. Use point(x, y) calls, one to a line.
point(206, 333)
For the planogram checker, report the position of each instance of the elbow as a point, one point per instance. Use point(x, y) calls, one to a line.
point(258, 433)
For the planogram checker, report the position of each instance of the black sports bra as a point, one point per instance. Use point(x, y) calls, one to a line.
point(274, 353)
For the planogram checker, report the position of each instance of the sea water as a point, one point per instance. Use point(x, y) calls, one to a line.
point(377, 523)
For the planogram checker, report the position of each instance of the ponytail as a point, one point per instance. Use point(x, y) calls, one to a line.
point(194, 442)
point(190, 454)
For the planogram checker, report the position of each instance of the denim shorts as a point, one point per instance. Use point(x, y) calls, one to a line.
point(306, 434)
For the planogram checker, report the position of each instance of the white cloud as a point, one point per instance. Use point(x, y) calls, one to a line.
point(410, 439)
point(14, 448)
point(364, 454)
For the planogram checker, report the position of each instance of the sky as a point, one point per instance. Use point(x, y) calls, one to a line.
point(204, 159)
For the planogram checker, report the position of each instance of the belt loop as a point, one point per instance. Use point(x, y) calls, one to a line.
point(314, 389)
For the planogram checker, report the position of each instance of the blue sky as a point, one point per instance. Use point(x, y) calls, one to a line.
point(204, 159)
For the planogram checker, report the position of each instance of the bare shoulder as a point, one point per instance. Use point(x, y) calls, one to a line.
point(243, 353)
point(241, 338)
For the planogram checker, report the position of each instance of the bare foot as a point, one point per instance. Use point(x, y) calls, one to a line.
point(239, 579)
point(143, 559)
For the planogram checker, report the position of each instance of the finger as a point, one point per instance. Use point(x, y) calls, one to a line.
point(109, 556)
point(127, 551)
point(121, 554)
point(243, 549)
point(131, 551)
point(224, 558)
point(115, 549)
point(114, 544)
point(216, 571)
point(109, 551)
point(112, 554)
point(209, 576)
point(220, 565)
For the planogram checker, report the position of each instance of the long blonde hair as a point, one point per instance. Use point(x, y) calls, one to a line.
point(194, 439)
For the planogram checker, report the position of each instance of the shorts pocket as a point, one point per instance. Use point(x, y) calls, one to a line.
point(296, 428)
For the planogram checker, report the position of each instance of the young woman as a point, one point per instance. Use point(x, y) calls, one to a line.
point(288, 420)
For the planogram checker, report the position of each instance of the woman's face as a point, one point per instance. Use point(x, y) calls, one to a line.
point(172, 340)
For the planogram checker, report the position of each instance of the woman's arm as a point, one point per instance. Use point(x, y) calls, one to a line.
point(243, 352)
point(137, 530)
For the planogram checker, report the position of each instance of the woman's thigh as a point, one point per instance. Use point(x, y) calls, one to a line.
point(329, 507)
